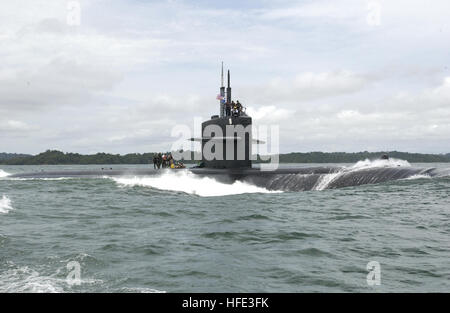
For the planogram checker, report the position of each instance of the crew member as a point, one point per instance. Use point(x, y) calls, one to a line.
point(239, 107)
point(234, 108)
point(227, 109)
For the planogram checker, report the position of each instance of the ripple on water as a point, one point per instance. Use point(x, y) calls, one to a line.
point(161, 213)
point(254, 217)
point(414, 271)
point(315, 252)
point(349, 217)
point(3, 239)
point(414, 251)
point(283, 236)
point(220, 235)
point(259, 236)
point(150, 249)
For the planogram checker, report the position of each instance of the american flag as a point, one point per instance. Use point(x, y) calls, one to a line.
point(219, 97)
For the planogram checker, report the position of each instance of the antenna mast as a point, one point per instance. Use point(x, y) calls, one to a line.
point(229, 89)
point(222, 96)
point(222, 76)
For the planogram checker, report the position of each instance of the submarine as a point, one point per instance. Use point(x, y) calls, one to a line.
point(226, 156)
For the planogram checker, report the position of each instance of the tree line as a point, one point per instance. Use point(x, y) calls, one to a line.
point(345, 157)
point(53, 157)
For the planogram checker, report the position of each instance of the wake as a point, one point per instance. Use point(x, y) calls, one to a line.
point(3, 173)
point(391, 162)
point(191, 184)
point(326, 180)
point(5, 205)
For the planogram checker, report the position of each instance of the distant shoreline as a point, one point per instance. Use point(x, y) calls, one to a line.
point(53, 157)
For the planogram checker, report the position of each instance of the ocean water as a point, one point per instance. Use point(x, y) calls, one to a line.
point(181, 233)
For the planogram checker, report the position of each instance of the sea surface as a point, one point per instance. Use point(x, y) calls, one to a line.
point(180, 233)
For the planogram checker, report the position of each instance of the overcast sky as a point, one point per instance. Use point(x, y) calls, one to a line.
point(361, 75)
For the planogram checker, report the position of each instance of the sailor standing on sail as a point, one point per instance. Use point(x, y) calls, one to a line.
point(234, 108)
point(228, 109)
point(159, 160)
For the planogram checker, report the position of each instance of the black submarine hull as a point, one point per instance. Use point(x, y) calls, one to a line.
point(229, 175)
point(283, 179)
point(318, 178)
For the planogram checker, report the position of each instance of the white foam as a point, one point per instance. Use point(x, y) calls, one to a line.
point(3, 173)
point(418, 176)
point(141, 290)
point(24, 279)
point(190, 183)
point(325, 180)
point(391, 162)
point(5, 205)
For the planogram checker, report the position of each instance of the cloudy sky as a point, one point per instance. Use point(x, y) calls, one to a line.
point(349, 75)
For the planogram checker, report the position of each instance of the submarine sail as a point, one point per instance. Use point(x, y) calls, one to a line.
point(227, 137)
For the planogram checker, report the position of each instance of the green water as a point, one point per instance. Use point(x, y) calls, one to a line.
point(132, 237)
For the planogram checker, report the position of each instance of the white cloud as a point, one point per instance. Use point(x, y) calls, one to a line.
point(307, 86)
point(131, 70)
point(268, 114)
point(12, 125)
point(317, 9)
